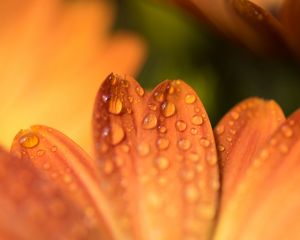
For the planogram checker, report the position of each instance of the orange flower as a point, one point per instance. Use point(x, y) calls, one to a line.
point(155, 174)
point(53, 56)
point(262, 25)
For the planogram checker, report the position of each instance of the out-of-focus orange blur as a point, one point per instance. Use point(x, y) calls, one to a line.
point(54, 56)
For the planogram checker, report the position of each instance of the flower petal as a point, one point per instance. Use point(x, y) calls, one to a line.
point(290, 20)
point(240, 135)
point(56, 50)
point(61, 161)
point(33, 207)
point(266, 205)
point(241, 20)
point(157, 151)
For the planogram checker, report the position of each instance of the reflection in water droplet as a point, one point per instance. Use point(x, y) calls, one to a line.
point(197, 120)
point(163, 143)
point(29, 140)
point(162, 163)
point(140, 91)
point(115, 105)
point(180, 125)
point(190, 98)
point(117, 133)
point(184, 144)
point(143, 149)
point(150, 121)
point(168, 109)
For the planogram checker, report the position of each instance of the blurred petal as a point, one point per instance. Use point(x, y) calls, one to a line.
point(61, 161)
point(33, 207)
point(53, 58)
point(241, 20)
point(266, 205)
point(157, 151)
point(240, 135)
point(290, 20)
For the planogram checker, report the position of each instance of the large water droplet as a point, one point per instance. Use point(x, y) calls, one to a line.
point(162, 163)
point(163, 143)
point(29, 140)
point(150, 121)
point(190, 98)
point(180, 125)
point(197, 120)
point(143, 149)
point(184, 144)
point(115, 105)
point(168, 109)
point(117, 133)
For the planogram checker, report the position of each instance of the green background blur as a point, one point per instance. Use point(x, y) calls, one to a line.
point(221, 72)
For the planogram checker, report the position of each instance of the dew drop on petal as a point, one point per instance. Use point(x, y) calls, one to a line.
point(158, 96)
point(221, 148)
point(162, 163)
point(117, 133)
point(194, 131)
point(152, 107)
point(162, 129)
point(197, 120)
point(115, 105)
point(191, 193)
point(180, 125)
point(140, 91)
point(40, 153)
point(190, 98)
point(168, 109)
point(163, 143)
point(150, 121)
point(184, 144)
point(143, 149)
point(287, 131)
point(204, 142)
point(235, 115)
point(29, 140)
point(108, 167)
point(220, 129)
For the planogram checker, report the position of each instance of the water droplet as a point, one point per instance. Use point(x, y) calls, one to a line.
point(108, 167)
point(150, 121)
point(29, 140)
point(162, 163)
point(143, 149)
point(191, 193)
point(283, 148)
point(158, 96)
point(235, 115)
point(119, 161)
point(163, 143)
point(221, 148)
point(194, 131)
point(180, 125)
point(287, 131)
point(188, 175)
point(162, 129)
point(152, 107)
point(117, 133)
point(171, 89)
point(194, 157)
point(184, 144)
point(220, 129)
point(190, 98)
point(125, 148)
point(140, 91)
point(229, 139)
point(168, 109)
point(40, 153)
point(204, 142)
point(197, 120)
point(115, 105)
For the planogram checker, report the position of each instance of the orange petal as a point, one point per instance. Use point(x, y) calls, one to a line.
point(56, 50)
point(157, 151)
point(61, 161)
point(240, 135)
point(241, 20)
point(33, 207)
point(266, 205)
point(290, 20)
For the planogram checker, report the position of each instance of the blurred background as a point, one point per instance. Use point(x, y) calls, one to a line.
point(222, 72)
